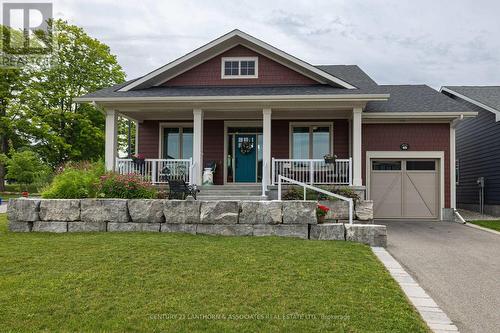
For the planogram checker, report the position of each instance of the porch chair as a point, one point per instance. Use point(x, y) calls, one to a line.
point(178, 188)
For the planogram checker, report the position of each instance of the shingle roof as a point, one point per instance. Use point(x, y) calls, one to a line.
point(487, 95)
point(350, 73)
point(403, 98)
point(415, 98)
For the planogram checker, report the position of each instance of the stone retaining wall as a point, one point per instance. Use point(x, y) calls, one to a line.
point(230, 218)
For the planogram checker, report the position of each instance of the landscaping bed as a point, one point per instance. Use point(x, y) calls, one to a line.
point(172, 282)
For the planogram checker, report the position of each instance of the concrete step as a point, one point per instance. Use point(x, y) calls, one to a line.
point(232, 197)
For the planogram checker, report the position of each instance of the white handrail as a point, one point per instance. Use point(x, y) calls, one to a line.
point(317, 189)
point(264, 179)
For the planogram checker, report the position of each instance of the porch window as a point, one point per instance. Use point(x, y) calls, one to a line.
point(239, 68)
point(177, 142)
point(311, 141)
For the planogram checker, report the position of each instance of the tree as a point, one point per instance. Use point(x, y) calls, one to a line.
point(58, 128)
point(26, 168)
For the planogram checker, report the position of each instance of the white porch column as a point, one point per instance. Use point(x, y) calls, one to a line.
point(197, 146)
point(111, 139)
point(136, 151)
point(356, 147)
point(266, 146)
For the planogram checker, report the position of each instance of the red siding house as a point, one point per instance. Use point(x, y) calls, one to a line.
point(256, 112)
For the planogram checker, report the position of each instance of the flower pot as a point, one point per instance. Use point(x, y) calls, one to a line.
point(321, 219)
point(329, 160)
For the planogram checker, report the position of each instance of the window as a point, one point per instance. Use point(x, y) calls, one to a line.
point(177, 142)
point(239, 68)
point(386, 165)
point(311, 141)
point(421, 165)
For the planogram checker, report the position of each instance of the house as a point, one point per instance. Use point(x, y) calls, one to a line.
point(258, 112)
point(478, 148)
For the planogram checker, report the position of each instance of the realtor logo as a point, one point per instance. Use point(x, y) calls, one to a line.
point(27, 28)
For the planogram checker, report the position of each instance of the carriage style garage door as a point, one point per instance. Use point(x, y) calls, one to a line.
point(405, 188)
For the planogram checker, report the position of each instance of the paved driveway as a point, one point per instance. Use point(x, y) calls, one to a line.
point(457, 265)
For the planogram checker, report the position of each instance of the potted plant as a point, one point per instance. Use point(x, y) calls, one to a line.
point(138, 159)
point(321, 212)
point(330, 159)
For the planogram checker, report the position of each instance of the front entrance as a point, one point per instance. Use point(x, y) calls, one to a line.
point(245, 158)
point(405, 188)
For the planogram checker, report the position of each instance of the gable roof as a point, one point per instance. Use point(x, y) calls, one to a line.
point(415, 98)
point(486, 97)
point(223, 43)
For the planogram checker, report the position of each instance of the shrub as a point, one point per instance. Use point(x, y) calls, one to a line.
point(297, 193)
point(27, 169)
point(293, 193)
point(129, 186)
point(75, 181)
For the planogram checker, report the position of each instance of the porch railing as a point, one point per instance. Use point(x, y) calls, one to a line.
point(154, 170)
point(313, 171)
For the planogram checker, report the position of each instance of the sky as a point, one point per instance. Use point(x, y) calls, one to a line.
point(440, 42)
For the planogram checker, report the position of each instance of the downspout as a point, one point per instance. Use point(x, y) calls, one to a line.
point(454, 123)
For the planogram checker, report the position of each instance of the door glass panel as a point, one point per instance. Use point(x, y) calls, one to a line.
point(321, 142)
point(300, 142)
point(421, 165)
point(187, 142)
point(171, 144)
point(386, 165)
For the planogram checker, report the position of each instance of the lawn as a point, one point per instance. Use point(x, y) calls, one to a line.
point(167, 282)
point(7, 196)
point(490, 224)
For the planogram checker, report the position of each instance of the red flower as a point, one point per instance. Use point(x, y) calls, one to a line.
point(323, 208)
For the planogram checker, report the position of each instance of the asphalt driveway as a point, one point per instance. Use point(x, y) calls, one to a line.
point(457, 265)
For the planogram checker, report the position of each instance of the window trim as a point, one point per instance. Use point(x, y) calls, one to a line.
point(181, 126)
point(239, 60)
point(329, 124)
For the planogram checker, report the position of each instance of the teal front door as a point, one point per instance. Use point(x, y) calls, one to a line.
point(245, 158)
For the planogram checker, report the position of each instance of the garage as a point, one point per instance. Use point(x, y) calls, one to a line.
point(405, 188)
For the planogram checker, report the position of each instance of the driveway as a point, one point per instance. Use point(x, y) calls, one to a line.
point(457, 265)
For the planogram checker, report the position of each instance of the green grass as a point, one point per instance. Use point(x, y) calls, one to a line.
point(136, 282)
point(6, 196)
point(490, 224)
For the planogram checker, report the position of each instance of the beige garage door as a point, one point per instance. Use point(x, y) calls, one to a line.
point(405, 188)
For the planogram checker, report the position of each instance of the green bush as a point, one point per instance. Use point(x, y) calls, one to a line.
point(75, 181)
point(129, 186)
point(27, 170)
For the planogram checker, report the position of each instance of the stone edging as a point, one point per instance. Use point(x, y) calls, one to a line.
point(430, 312)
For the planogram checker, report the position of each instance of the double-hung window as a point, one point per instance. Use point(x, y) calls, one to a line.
point(311, 141)
point(178, 142)
point(239, 67)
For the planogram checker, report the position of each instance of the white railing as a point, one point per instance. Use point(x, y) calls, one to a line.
point(282, 179)
point(155, 170)
point(313, 171)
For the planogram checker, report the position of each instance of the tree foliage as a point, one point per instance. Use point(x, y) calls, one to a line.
point(60, 129)
point(37, 107)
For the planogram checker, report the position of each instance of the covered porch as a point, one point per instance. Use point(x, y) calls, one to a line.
point(246, 144)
